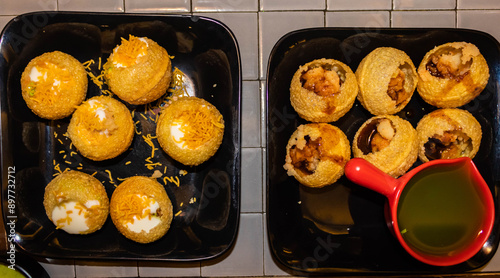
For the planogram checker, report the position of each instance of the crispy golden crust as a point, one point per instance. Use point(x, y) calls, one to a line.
point(172, 115)
point(103, 139)
point(444, 126)
point(401, 150)
point(78, 187)
point(147, 187)
point(453, 91)
point(316, 154)
point(331, 106)
point(376, 75)
point(58, 101)
point(143, 82)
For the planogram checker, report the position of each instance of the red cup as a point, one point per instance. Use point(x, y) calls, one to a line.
point(365, 174)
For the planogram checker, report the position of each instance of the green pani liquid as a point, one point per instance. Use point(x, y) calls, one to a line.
point(440, 210)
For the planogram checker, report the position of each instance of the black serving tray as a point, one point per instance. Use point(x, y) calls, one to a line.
point(207, 202)
point(341, 228)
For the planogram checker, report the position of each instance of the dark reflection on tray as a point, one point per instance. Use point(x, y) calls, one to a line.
point(206, 202)
point(342, 227)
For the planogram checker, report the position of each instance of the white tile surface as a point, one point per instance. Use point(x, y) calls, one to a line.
point(169, 269)
point(4, 19)
point(244, 27)
point(358, 19)
point(251, 180)
point(424, 4)
point(272, 5)
point(99, 269)
point(480, 20)
point(273, 25)
point(444, 19)
point(16, 7)
point(250, 122)
point(157, 6)
point(358, 5)
point(225, 6)
point(263, 119)
point(91, 5)
point(246, 256)
point(478, 4)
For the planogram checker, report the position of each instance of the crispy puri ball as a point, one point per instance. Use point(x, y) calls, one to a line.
point(190, 130)
point(53, 84)
point(452, 74)
point(141, 209)
point(448, 133)
point(387, 79)
point(138, 71)
point(388, 142)
point(316, 154)
point(76, 202)
point(101, 128)
point(323, 90)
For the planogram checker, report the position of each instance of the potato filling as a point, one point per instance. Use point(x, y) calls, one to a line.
point(307, 158)
point(451, 144)
point(323, 82)
point(449, 64)
point(396, 90)
point(376, 136)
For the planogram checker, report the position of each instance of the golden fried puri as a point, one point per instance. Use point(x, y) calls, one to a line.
point(388, 142)
point(138, 71)
point(190, 130)
point(141, 209)
point(387, 79)
point(76, 202)
point(101, 128)
point(53, 84)
point(316, 154)
point(323, 90)
point(448, 133)
point(452, 74)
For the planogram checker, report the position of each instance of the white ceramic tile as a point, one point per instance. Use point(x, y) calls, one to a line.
point(59, 268)
point(244, 27)
point(4, 19)
point(91, 5)
point(246, 256)
point(478, 4)
point(424, 4)
point(271, 266)
point(96, 269)
point(250, 122)
point(169, 269)
point(157, 6)
point(263, 113)
point(16, 7)
point(251, 180)
point(480, 20)
point(358, 19)
point(493, 265)
point(272, 5)
point(273, 25)
point(225, 5)
point(423, 19)
point(359, 5)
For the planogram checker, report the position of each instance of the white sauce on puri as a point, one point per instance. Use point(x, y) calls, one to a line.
point(145, 223)
point(177, 134)
point(71, 217)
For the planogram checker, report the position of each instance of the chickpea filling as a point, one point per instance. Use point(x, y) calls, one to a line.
point(322, 80)
point(307, 158)
point(451, 144)
point(449, 64)
point(396, 89)
point(376, 136)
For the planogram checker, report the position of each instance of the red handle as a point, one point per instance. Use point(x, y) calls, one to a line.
point(362, 172)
